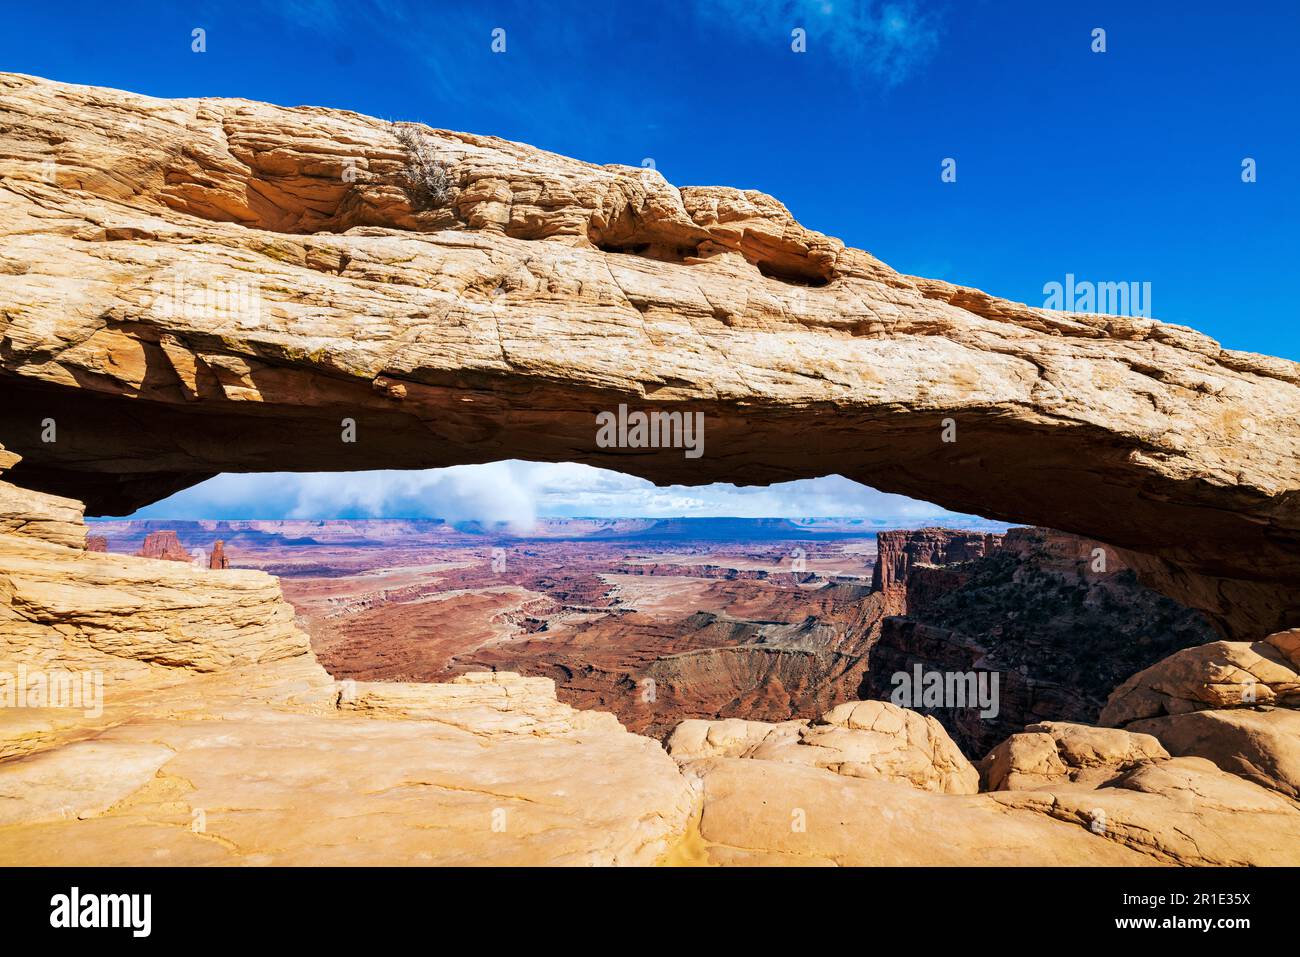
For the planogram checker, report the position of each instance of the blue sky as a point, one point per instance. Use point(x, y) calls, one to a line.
point(1115, 166)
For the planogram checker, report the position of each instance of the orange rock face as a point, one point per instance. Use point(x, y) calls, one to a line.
point(898, 551)
point(218, 557)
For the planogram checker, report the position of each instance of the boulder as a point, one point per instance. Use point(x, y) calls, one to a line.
point(1258, 744)
point(1052, 752)
point(1177, 811)
point(864, 739)
point(1221, 674)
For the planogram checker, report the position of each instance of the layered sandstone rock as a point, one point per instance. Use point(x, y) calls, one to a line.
point(256, 766)
point(1258, 744)
point(522, 705)
point(1125, 786)
point(201, 285)
point(203, 731)
point(1177, 811)
point(82, 608)
point(776, 813)
point(1232, 703)
point(898, 552)
point(49, 518)
point(1054, 752)
point(1151, 810)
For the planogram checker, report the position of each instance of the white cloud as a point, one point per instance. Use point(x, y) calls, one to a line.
point(518, 492)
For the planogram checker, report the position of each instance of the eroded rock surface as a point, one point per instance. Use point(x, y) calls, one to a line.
point(773, 812)
point(1126, 787)
point(1054, 752)
point(863, 739)
point(1259, 744)
point(1221, 674)
point(204, 285)
point(49, 518)
point(1179, 811)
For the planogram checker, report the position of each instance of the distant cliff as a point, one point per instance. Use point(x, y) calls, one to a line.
point(898, 552)
point(1062, 620)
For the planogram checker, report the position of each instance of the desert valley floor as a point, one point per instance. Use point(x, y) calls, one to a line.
point(660, 621)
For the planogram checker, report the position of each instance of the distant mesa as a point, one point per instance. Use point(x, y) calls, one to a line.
point(96, 543)
point(901, 550)
point(164, 545)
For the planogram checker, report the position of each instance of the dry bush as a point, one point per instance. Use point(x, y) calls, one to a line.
point(424, 177)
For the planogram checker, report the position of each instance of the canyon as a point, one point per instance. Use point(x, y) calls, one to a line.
point(223, 740)
point(659, 622)
point(654, 621)
point(1062, 621)
point(365, 333)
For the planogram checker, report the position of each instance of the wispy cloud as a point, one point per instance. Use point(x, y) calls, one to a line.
point(519, 492)
point(884, 40)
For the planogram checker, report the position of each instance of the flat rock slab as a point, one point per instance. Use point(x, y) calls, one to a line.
point(78, 780)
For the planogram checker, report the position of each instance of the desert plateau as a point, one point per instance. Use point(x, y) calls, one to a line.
point(375, 494)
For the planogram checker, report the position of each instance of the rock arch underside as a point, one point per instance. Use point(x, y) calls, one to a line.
point(190, 287)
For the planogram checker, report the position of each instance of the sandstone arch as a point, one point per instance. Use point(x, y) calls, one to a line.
point(195, 286)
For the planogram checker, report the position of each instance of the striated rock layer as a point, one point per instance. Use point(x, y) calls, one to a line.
point(204, 285)
point(899, 551)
